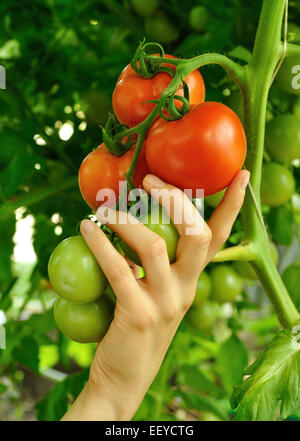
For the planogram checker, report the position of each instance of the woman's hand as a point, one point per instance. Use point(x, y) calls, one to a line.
point(149, 310)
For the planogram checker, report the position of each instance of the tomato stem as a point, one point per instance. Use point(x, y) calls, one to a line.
point(238, 252)
point(259, 73)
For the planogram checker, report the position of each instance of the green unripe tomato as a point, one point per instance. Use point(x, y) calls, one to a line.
point(75, 273)
point(214, 200)
point(226, 284)
point(160, 29)
point(277, 184)
point(85, 322)
point(288, 77)
point(283, 138)
point(164, 229)
point(244, 269)
point(203, 289)
point(198, 18)
point(144, 8)
point(204, 316)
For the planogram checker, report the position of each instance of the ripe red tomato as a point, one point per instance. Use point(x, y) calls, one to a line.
point(132, 91)
point(202, 150)
point(100, 169)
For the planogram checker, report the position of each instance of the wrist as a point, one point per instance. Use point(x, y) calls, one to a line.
point(99, 403)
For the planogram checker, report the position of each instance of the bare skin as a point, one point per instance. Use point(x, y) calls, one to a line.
point(149, 310)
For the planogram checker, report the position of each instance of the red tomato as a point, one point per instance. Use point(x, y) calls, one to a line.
point(132, 91)
point(203, 150)
point(100, 169)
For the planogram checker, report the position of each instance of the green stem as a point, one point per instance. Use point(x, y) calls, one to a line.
point(292, 50)
point(266, 55)
point(8, 209)
point(239, 252)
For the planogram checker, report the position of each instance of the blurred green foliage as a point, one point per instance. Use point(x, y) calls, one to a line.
point(62, 59)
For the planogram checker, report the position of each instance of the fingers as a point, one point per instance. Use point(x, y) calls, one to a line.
point(112, 263)
point(194, 233)
point(150, 247)
point(226, 213)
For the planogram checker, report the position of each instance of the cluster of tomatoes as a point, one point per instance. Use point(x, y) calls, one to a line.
point(204, 149)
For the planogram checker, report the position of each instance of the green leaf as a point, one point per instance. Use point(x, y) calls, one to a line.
point(16, 172)
point(3, 388)
point(231, 362)
point(27, 353)
point(55, 404)
point(196, 378)
point(192, 400)
point(7, 231)
point(291, 278)
point(280, 221)
point(273, 382)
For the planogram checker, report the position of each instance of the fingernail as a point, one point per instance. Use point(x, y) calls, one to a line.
point(103, 214)
point(245, 180)
point(154, 181)
point(86, 226)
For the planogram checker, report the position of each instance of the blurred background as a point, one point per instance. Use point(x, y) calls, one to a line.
point(62, 59)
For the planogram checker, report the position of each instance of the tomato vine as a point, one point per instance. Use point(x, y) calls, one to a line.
point(254, 81)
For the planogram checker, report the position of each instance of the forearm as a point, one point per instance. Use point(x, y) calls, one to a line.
point(93, 404)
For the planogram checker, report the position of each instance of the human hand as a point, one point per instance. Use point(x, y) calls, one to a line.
point(148, 310)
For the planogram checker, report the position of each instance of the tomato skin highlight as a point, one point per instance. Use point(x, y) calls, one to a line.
point(132, 91)
point(84, 323)
point(74, 272)
point(204, 149)
point(100, 169)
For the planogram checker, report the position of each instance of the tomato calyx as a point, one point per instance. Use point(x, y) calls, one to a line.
point(116, 144)
point(168, 109)
point(146, 67)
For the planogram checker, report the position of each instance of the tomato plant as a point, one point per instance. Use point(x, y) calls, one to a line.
point(226, 284)
point(245, 270)
point(283, 138)
point(74, 272)
point(277, 185)
point(204, 316)
point(84, 323)
point(132, 93)
point(48, 124)
point(103, 170)
point(203, 289)
point(203, 150)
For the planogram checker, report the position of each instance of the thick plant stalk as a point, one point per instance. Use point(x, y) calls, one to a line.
point(266, 54)
point(254, 81)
